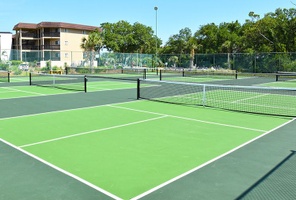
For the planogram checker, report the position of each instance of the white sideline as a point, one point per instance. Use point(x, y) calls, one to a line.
point(205, 164)
point(63, 171)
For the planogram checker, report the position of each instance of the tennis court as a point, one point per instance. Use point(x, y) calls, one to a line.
point(106, 144)
point(22, 88)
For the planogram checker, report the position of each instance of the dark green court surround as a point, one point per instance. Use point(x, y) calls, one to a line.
point(23, 177)
point(41, 104)
point(231, 176)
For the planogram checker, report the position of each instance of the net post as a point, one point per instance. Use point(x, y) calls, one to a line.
point(160, 74)
point(138, 88)
point(8, 76)
point(66, 70)
point(183, 72)
point(85, 83)
point(276, 77)
point(145, 74)
point(30, 78)
point(235, 74)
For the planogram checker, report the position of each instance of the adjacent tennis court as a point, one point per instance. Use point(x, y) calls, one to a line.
point(51, 83)
point(118, 147)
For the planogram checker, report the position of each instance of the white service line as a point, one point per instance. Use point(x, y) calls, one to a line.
point(13, 89)
point(191, 119)
point(61, 111)
point(254, 97)
point(92, 131)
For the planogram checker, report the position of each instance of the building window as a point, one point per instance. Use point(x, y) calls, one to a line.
point(66, 43)
point(84, 32)
point(57, 42)
point(66, 55)
point(66, 30)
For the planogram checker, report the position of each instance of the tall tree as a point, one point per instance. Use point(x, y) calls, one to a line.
point(228, 37)
point(207, 37)
point(182, 43)
point(126, 38)
point(178, 43)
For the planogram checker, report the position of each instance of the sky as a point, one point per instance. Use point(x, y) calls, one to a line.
point(170, 17)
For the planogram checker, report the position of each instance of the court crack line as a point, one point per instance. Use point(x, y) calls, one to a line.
point(92, 131)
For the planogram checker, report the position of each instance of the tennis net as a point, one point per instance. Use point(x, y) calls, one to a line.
point(4, 76)
point(66, 82)
point(261, 100)
point(123, 74)
point(286, 76)
point(186, 75)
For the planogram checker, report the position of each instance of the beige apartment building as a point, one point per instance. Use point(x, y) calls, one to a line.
point(57, 42)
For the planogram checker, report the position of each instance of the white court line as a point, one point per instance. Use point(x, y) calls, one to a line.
point(13, 89)
point(92, 131)
point(61, 111)
point(206, 163)
point(63, 171)
point(254, 97)
point(191, 119)
point(5, 92)
point(90, 183)
point(64, 93)
point(21, 97)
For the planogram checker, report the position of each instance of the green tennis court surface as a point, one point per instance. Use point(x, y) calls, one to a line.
point(27, 91)
point(60, 144)
point(285, 84)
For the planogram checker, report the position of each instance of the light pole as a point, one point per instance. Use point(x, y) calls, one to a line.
point(155, 8)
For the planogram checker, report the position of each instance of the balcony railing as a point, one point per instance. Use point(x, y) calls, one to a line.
point(30, 35)
point(51, 34)
point(51, 47)
point(30, 47)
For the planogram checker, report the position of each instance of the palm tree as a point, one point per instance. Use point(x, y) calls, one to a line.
point(192, 45)
point(93, 43)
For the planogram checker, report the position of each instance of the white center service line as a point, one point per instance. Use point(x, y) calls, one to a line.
point(190, 119)
point(93, 131)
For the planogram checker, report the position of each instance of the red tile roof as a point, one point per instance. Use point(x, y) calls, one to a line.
point(54, 25)
point(25, 26)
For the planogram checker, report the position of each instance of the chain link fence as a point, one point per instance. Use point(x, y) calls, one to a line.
point(242, 62)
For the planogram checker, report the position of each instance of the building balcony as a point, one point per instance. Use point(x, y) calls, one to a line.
point(30, 35)
point(51, 34)
point(51, 47)
point(30, 47)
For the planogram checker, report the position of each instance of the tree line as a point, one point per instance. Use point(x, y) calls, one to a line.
point(275, 32)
